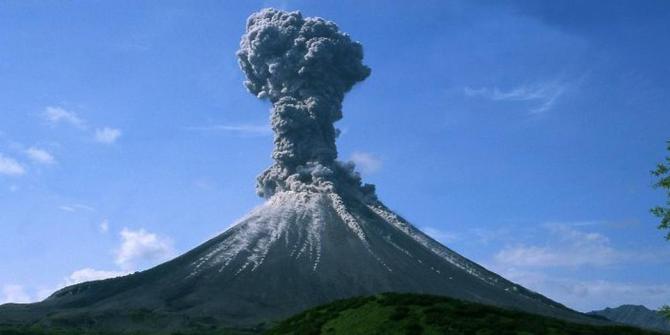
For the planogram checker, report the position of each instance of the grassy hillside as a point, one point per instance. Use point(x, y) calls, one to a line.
point(40, 330)
point(394, 313)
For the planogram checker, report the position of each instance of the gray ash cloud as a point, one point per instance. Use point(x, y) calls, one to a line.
point(304, 67)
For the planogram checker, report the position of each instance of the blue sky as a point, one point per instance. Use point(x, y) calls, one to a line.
point(521, 134)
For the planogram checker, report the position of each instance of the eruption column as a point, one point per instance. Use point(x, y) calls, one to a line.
point(304, 66)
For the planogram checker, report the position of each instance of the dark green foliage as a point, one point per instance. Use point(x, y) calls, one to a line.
point(390, 313)
point(662, 173)
point(15, 330)
point(394, 313)
point(399, 313)
point(413, 328)
point(311, 321)
point(665, 311)
point(35, 330)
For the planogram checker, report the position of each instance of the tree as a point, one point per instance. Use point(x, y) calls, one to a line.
point(662, 173)
point(665, 311)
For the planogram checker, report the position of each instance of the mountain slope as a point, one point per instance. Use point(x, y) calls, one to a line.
point(400, 314)
point(296, 251)
point(636, 315)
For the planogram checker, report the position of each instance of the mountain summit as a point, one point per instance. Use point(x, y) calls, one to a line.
point(321, 235)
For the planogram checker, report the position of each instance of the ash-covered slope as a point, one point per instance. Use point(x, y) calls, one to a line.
point(321, 235)
point(296, 251)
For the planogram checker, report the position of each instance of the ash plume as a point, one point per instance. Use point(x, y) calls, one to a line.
point(304, 67)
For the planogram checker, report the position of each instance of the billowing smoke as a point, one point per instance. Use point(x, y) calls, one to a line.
point(304, 66)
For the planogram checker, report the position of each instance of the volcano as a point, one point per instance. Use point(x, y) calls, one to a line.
point(321, 234)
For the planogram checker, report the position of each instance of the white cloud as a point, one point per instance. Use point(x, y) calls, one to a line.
point(104, 226)
point(588, 295)
point(15, 294)
point(138, 248)
point(84, 207)
point(240, 129)
point(89, 274)
point(562, 267)
point(75, 208)
point(366, 162)
point(18, 293)
point(569, 247)
point(141, 248)
point(67, 208)
point(10, 167)
point(107, 135)
point(440, 235)
point(40, 156)
point(57, 115)
point(541, 97)
point(603, 293)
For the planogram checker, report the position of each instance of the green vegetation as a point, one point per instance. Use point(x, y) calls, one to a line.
point(37, 330)
point(411, 314)
point(140, 321)
point(662, 173)
point(392, 314)
point(665, 311)
point(16, 330)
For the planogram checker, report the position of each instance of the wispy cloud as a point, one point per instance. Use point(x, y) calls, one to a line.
point(142, 248)
point(40, 156)
point(366, 162)
point(540, 98)
point(89, 274)
point(551, 258)
point(21, 294)
point(75, 208)
point(138, 248)
point(239, 129)
point(107, 135)
point(67, 208)
point(104, 226)
point(14, 293)
point(56, 115)
point(569, 247)
point(588, 295)
point(10, 167)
